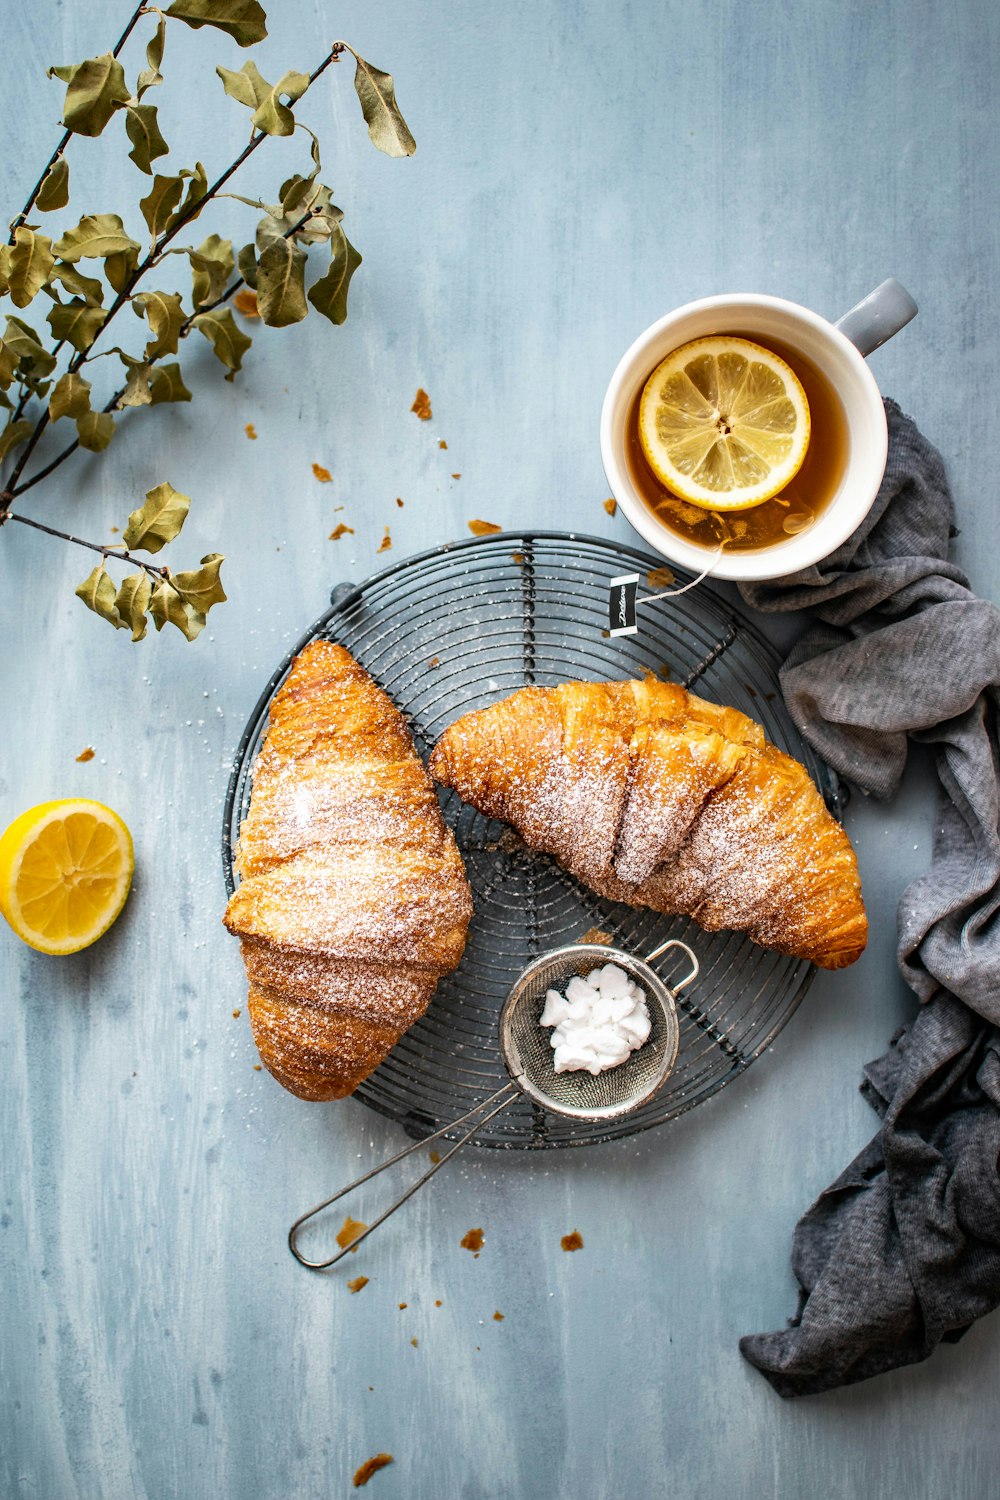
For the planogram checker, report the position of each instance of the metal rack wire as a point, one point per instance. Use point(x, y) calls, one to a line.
point(466, 624)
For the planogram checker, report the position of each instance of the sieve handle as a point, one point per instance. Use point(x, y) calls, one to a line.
point(695, 966)
point(507, 1094)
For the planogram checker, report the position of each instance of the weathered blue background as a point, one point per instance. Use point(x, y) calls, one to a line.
point(582, 167)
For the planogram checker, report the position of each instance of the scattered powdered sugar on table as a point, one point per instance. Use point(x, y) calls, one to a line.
point(598, 1022)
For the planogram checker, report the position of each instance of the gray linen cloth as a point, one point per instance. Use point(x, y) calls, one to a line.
point(903, 1250)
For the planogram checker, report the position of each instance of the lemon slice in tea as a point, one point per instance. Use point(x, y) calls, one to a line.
point(724, 423)
point(65, 871)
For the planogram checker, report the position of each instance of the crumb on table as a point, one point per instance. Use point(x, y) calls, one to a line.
point(483, 528)
point(323, 475)
point(349, 1231)
point(370, 1467)
point(473, 1240)
point(357, 1283)
point(422, 405)
point(87, 753)
point(573, 1241)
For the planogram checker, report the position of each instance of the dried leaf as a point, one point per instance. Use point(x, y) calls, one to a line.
point(323, 475)
point(76, 322)
point(96, 235)
point(242, 86)
point(228, 341)
point(54, 191)
point(119, 267)
point(202, 587)
point(98, 593)
point(483, 528)
point(14, 434)
point(212, 264)
point(8, 365)
point(143, 131)
point(281, 294)
point(197, 187)
point(90, 288)
point(245, 302)
point(167, 384)
point(329, 294)
point(161, 202)
point(96, 88)
point(386, 126)
point(250, 88)
point(70, 396)
point(168, 608)
point(247, 262)
point(151, 75)
point(137, 391)
point(4, 269)
point(95, 429)
point(165, 315)
point(158, 521)
point(422, 405)
point(30, 262)
point(132, 601)
point(243, 20)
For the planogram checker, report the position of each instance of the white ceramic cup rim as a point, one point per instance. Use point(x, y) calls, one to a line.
point(840, 362)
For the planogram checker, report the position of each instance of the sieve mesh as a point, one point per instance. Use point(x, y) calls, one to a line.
point(457, 628)
point(527, 1047)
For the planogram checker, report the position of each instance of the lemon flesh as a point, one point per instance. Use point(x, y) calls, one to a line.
point(724, 423)
point(65, 871)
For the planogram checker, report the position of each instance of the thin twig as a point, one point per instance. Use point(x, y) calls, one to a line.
point(106, 552)
point(64, 142)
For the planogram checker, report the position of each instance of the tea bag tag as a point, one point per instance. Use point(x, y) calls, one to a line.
point(621, 604)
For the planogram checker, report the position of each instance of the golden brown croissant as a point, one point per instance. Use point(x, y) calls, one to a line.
point(654, 797)
point(353, 900)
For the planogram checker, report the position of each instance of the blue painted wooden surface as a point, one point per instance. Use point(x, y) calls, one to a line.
point(582, 167)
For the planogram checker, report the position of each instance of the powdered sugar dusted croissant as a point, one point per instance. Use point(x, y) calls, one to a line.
point(652, 796)
point(353, 900)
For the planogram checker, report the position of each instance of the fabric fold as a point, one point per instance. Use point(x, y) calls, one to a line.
point(903, 1250)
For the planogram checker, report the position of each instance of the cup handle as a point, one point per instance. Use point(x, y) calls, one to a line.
point(878, 316)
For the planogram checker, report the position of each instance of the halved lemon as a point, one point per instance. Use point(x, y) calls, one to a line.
point(65, 871)
point(724, 423)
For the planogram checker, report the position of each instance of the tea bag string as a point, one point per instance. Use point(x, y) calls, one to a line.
point(672, 593)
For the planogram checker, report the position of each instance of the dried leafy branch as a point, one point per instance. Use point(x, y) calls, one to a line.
point(41, 372)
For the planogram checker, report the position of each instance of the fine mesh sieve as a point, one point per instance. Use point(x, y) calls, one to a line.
point(527, 1053)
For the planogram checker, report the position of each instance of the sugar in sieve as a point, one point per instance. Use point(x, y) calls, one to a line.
point(527, 1055)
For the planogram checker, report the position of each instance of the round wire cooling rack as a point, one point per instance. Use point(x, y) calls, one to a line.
point(457, 628)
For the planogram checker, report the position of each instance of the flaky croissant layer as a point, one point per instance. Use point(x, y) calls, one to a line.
point(353, 901)
point(652, 796)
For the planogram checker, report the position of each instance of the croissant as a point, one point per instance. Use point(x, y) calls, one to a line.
point(353, 900)
point(651, 796)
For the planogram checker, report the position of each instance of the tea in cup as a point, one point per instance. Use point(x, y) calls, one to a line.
point(782, 490)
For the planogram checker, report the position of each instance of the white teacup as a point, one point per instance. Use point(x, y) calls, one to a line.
point(837, 350)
